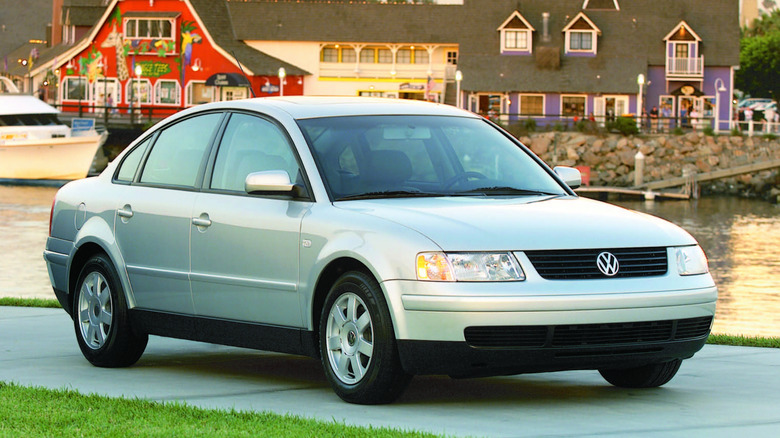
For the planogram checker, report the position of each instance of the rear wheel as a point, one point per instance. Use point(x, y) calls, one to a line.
point(648, 376)
point(357, 343)
point(101, 319)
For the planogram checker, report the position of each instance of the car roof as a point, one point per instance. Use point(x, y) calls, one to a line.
point(307, 107)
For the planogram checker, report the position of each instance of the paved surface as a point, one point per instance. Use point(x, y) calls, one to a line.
point(721, 392)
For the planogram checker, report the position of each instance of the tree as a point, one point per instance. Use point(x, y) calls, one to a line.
point(759, 58)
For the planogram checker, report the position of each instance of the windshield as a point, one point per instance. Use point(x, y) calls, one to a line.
point(403, 156)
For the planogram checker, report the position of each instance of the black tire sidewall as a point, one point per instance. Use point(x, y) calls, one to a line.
point(121, 344)
point(385, 379)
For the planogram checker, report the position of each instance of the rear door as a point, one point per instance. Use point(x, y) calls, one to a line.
point(153, 214)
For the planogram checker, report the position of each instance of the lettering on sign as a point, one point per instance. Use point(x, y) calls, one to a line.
point(154, 69)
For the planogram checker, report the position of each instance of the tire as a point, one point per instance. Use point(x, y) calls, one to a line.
point(357, 342)
point(100, 317)
point(648, 376)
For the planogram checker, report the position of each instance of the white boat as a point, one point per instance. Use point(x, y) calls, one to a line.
point(35, 145)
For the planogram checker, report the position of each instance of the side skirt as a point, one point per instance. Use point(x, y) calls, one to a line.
point(225, 332)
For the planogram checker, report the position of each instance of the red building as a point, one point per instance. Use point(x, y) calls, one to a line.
point(166, 54)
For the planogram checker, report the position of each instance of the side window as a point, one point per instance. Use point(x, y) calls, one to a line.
point(179, 151)
point(251, 144)
point(129, 165)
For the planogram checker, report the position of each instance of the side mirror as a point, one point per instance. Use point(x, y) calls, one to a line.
point(569, 175)
point(270, 181)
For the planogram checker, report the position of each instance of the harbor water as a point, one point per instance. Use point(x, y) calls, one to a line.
point(740, 237)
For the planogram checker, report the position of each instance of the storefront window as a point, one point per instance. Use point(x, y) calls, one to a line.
point(167, 92)
point(74, 88)
point(199, 92)
point(138, 91)
point(573, 106)
point(531, 105)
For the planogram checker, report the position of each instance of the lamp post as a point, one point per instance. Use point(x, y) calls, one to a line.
point(458, 78)
point(138, 70)
point(718, 90)
point(640, 80)
point(282, 75)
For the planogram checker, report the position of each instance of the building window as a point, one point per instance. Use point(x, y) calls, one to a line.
point(514, 39)
point(74, 88)
point(681, 50)
point(421, 56)
point(138, 91)
point(367, 56)
point(573, 106)
point(348, 55)
point(167, 92)
point(199, 92)
point(531, 105)
point(403, 56)
point(452, 58)
point(330, 54)
point(580, 41)
point(384, 56)
point(149, 28)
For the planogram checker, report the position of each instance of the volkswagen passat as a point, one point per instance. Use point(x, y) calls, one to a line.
point(385, 237)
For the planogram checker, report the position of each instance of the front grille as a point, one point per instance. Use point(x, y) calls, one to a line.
point(579, 264)
point(590, 335)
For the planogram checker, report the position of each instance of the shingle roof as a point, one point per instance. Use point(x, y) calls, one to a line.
point(631, 39)
point(22, 21)
point(215, 17)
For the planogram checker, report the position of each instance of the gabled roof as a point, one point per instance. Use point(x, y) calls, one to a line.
point(604, 5)
point(581, 21)
point(682, 25)
point(516, 21)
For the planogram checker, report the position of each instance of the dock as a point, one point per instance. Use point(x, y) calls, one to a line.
point(605, 193)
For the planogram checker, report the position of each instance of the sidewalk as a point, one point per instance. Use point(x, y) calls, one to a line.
point(721, 392)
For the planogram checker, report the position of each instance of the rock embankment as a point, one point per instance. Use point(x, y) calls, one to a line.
point(611, 159)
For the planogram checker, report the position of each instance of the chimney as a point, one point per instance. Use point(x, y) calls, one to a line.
point(546, 27)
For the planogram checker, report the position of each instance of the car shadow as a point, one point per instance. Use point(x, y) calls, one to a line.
point(270, 370)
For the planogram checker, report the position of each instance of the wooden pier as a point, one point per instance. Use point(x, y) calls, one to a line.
point(606, 193)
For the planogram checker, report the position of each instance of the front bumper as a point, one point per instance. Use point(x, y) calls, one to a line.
point(431, 322)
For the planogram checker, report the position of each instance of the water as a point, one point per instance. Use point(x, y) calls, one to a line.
point(741, 238)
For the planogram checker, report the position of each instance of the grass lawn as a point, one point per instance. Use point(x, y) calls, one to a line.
point(37, 412)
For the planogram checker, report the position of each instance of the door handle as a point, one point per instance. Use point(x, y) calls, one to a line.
point(125, 212)
point(202, 221)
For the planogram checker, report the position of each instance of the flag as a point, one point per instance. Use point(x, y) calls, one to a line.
point(428, 87)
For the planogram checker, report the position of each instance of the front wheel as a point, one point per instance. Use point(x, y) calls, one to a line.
point(648, 376)
point(101, 319)
point(357, 343)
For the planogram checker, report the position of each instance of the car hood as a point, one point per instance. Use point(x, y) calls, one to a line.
point(524, 223)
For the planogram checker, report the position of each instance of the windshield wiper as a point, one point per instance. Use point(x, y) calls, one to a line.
point(389, 194)
point(504, 191)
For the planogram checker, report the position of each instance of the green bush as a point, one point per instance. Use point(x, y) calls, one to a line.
point(624, 125)
point(529, 125)
point(735, 132)
point(678, 131)
point(769, 136)
point(708, 131)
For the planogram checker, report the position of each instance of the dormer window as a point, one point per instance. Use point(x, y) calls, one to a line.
point(581, 36)
point(683, 57)
point(601, 5)
point(516, 35)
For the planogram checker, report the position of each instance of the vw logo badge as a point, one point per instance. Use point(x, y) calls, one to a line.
point(608, 264)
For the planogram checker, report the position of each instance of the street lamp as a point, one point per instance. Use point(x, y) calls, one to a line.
point(282, 74)
point(640, 80)
point(718, 90)
point(458, 78)
point(138, 70)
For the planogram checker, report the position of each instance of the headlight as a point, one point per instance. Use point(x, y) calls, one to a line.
point(468, 266)
point(691, 260)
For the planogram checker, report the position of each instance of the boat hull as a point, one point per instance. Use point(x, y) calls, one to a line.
point(65, 158)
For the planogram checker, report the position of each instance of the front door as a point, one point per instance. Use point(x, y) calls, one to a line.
point(245, 247)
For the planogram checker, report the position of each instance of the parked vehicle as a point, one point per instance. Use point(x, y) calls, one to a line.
point(35, 145)
point(388, 238)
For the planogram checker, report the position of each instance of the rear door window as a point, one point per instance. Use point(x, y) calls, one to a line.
point(180, 150)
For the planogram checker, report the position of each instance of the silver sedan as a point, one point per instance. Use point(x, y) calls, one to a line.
point(386, 237)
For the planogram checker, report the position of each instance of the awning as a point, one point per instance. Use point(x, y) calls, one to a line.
point(228, 80)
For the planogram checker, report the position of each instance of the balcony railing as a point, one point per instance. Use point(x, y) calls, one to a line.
point(685, 67)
